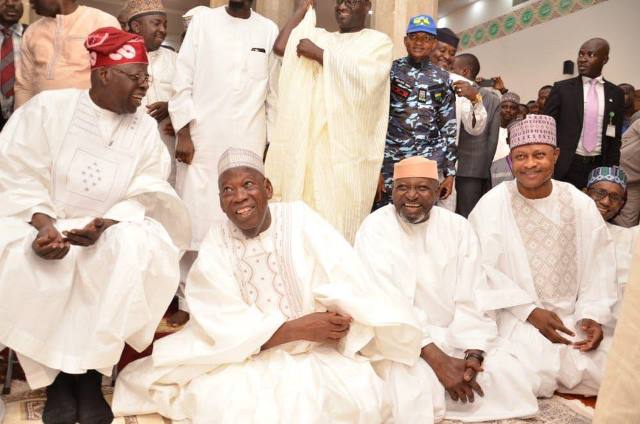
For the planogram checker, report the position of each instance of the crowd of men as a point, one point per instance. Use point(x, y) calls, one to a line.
point(351, 239)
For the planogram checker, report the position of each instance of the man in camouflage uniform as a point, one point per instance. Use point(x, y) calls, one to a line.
point(422, 118)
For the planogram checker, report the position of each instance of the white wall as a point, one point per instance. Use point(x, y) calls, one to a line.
point(531, 58)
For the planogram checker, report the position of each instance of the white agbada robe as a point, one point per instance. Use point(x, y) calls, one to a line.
point(225, 88)
point(625, 240)
point(62, 155)
point(332, 122)
point(553, 253)
point(438, 268)
point(162, 68)
point(240, 291)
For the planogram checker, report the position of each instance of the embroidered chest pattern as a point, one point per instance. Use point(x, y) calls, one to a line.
point(551, 248)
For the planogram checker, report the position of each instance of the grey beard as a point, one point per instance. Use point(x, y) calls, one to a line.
point(418, 220)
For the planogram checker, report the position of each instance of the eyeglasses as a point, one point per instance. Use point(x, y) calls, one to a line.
point(139, 78)
point(417, 36)
point(349, 3)
point(599, 194)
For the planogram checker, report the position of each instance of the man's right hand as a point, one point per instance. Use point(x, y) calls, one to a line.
point(548, 324)
point(185, 148)
point(456, 375)
point(321, 327)
point(50, 244)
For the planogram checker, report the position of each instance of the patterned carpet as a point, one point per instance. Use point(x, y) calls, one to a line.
point(25, 407)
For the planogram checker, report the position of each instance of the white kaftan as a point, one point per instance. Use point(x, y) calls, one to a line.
point(162, 68)
point(626, 241)
point(240, 291)
point(553, 253)
point(224, 90)
point(62, 155)
point(332, 122)
point(438, 268)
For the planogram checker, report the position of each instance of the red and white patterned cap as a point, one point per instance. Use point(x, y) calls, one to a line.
point(110, 46)
point(534, 129)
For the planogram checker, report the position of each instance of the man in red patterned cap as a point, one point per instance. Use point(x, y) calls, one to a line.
point(89, 242)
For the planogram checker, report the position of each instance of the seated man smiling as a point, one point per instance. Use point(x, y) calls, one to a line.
point(433, 257)
point(607, 186)
point(284, 324)
point(89, 230)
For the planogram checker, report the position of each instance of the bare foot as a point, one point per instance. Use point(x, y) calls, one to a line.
point(178, 318)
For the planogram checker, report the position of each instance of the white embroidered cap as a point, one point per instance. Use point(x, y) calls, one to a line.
point(234, 158)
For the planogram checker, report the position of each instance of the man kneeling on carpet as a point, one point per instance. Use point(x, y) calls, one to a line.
point(89, 230)
point(284, 323)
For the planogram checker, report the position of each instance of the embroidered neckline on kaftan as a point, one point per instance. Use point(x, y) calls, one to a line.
point(264, 268)
point(551, 247)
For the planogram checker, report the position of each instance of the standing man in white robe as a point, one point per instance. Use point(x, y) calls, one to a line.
point(283, 321)
point(550, 262)
point(224, 97)
point(148, 19)
point(607, 186)
point(332, 114)
point(433, 257)
point(89, 230)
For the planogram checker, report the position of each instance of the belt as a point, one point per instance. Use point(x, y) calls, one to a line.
point(588, 159)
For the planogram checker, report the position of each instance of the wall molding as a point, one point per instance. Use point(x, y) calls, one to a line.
point(521, 19)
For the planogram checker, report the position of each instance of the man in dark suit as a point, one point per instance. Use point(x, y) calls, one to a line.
point(589, 112)
point(475, 153)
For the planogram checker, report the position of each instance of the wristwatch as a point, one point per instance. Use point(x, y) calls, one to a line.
point(478, 356)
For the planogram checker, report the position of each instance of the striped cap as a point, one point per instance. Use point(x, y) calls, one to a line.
point(235, 158)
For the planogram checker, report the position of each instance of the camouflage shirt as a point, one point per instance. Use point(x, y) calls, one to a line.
point(422, 117)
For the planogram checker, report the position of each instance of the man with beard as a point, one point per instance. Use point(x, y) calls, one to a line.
point(422, 110)
point(607, 187)
point(589, 112)
point(433, 257)
point(52, 54)
point(550, 264)
point(224, 97)
point(148, 19)
point(89, 230)
point(11, 31)
point(284, 322)
point(501, 166)
point(333, 114)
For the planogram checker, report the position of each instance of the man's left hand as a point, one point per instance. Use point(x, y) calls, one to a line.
point(158, 110)
point(446, 187)
point(594, 333)
point(310, 50)
point(90, 234)
point(464, 89)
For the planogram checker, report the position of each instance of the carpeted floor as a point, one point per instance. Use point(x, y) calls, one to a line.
point(24, 406)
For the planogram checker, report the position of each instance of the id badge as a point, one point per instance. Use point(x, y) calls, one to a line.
point(611, 131)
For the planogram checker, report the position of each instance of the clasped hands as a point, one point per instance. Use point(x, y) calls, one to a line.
point(51, 244)
point(458, 376)
point(321, 327)
point(549, 325)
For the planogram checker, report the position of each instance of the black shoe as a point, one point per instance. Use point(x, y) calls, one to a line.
point(61, 406)
point(92, 407)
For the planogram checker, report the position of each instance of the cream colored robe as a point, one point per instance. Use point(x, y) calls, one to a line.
point(213, 370)
point(332, 121)
point(437, 267)
point(554, 253)
point(62, 155)
point(625, 240)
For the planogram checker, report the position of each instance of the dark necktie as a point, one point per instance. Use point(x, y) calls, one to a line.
point(7, 67)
